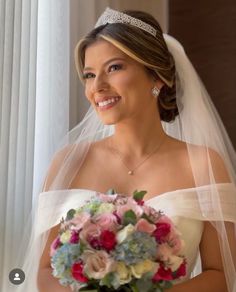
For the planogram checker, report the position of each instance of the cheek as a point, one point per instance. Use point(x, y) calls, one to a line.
point(87, 92)
point(135, 86)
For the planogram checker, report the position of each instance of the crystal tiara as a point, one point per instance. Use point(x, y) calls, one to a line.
point(114, 16)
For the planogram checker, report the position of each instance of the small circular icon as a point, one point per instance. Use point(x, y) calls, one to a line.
point(16, 276)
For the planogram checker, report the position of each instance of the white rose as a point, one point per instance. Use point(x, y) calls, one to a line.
point(143, 267)
point(123, 273)
point(124, 233)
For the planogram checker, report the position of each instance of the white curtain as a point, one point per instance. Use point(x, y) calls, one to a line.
point(34, 111)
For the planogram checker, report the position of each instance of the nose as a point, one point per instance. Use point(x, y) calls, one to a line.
point(100, 83)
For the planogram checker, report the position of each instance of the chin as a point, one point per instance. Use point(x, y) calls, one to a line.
point(109, 120)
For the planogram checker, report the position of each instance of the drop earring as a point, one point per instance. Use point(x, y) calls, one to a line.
point(155, 91)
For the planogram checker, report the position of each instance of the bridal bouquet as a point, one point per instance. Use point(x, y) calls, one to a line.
point(117, 243)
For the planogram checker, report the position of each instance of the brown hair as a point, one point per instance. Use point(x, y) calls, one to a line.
point(148, 50)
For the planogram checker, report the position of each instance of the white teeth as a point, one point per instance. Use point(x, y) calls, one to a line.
point(108, 101)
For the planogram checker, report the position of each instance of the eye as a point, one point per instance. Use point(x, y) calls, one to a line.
point(88, 75)
point(115, 67)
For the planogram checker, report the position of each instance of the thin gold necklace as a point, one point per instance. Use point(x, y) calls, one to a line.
point(131, 171)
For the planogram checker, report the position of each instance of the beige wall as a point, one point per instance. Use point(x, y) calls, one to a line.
point(208, 33)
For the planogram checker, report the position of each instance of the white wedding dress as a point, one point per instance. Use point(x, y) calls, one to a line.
point(181, 205)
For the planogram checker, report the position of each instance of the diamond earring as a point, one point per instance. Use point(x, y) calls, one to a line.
point(155, 91)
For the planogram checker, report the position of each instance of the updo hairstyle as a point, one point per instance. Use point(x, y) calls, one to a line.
point(143, 47)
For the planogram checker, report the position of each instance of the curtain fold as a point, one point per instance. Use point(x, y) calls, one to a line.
point(34, 113)
point(18, 50)
point(53, 77)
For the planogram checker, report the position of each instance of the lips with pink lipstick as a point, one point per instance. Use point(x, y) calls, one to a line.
point(107, 102)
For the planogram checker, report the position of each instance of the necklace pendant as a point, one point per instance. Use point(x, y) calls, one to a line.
point(130, 172)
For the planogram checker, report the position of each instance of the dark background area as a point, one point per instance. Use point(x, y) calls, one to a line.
point(207, 30)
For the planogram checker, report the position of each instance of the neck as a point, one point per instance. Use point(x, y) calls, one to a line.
point(137, 138)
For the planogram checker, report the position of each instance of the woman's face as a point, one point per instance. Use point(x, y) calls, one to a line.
point(117, 86)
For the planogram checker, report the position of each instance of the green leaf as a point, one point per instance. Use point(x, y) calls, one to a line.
point(166, 285)
point(139, 195)
point(134, 288)
point(107, 280)
point(144, 285)
point(83, 246)
point(129, 218)
point(111, 192)
point(144, 216)
point(70, 214)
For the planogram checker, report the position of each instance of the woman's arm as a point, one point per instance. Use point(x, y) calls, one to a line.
point(46, 281)
point(212, 278)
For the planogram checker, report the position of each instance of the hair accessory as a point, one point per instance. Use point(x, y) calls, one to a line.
point(155, 91)
point(113, 16)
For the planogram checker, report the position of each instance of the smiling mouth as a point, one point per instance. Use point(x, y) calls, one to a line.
point(108, 103)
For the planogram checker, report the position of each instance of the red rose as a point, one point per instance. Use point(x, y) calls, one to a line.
point(140, 202)
point(94, 242)
point(107, 240)
point(74, 237)
point(162, 274)
point(181, 270)
point(162, 229)
point(77, 273)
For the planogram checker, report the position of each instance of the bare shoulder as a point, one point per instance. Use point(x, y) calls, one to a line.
point(57, 160)
point(201, 158)
point(95, 152)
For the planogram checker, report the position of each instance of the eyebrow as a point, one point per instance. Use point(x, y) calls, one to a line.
point(107, 62)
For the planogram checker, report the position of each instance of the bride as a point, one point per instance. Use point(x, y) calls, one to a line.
point(151, 126)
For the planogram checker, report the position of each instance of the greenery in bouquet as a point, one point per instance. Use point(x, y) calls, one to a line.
point(117, 243)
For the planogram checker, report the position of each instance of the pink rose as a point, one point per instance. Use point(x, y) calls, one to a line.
point(130, 205)
point(90, 231)
point(144, 226)
point(165, 219)
point(97, 264)
point(80, 220)
point(106, 221)
point(164, 252)
point(175, 242)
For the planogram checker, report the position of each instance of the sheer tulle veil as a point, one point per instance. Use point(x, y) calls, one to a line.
point(198, 124)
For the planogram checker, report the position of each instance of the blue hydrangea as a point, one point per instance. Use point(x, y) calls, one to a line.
point(62, 261)
point(137, 247)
